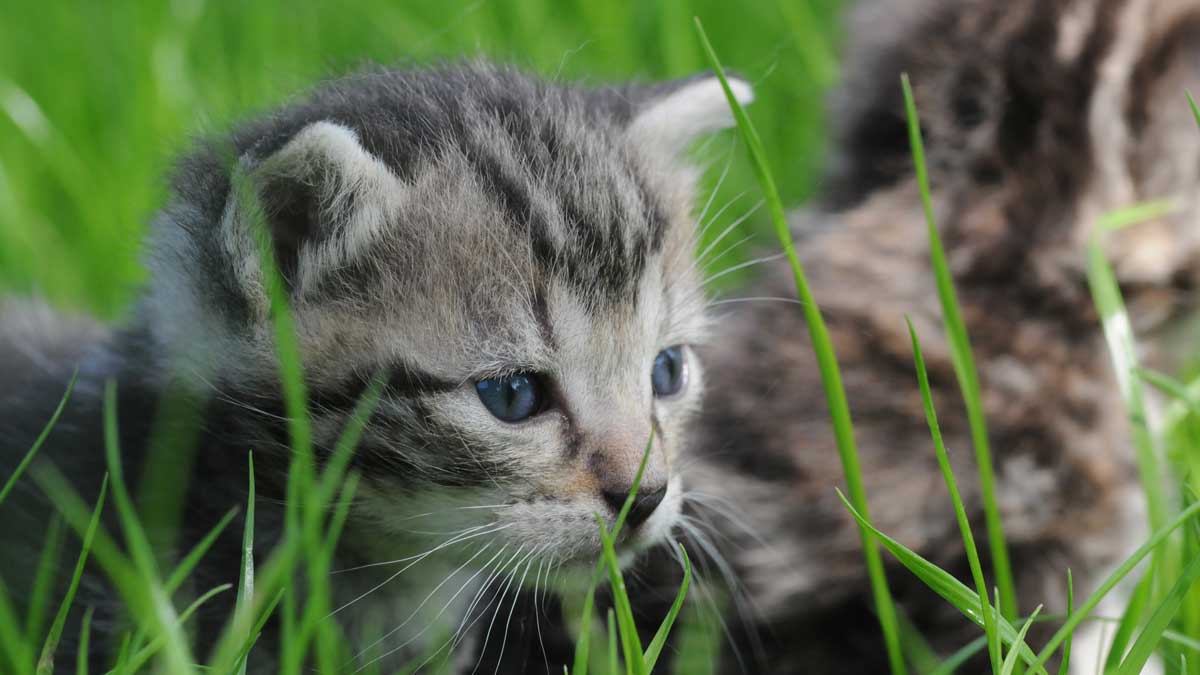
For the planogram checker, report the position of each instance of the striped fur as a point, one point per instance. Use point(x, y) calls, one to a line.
point(1039, 116)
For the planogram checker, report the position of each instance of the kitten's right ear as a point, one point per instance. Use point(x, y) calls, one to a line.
point(322, 198)
point(674, 114)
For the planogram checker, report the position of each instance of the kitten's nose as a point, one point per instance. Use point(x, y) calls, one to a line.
point(648, 498)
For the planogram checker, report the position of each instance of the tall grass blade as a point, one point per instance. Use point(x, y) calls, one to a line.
point(964, 367)
point(944, 584)
point(177, 653)
point(631, 645)
point(1079, 615)
point(835, 394)
point(188, 563)
point(1064, 668)
point(613, 660)
point(1118, 333)
point(85, 635)
point(660, 637)
point(41, 439)
point(960, 511)
point(43, 580)
point(1010, 662)
point(246, 578)
point(582, 642)
point(1130, 619)
point(144, 654)
point(13, 646)
point(1159, 621)
point(45, 663)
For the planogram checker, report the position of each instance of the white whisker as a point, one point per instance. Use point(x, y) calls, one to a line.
point(417, 560)
point(508, 622)
point(499, 604)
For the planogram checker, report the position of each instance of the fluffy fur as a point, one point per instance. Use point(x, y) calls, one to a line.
point(1038, 117)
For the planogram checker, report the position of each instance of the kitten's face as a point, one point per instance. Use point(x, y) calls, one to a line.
point(524, 278)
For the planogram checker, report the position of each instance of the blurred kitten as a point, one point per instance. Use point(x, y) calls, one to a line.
point(1038, 117)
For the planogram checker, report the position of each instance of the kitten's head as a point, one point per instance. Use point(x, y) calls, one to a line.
point(515, 255)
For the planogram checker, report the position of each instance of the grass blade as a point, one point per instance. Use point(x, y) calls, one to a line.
point(631, 644)
point(12, 643)
point(1159, 621)
point(85, 635)
point(246, 578)
point(964, 368)
point(193, 557)
point(944, 584)
point(582, 642)
point(41, 439)
point(43, 580)
point(1120, 573)
point(256, 630)
point(1130, 619)
point(831, 378)
point(1118, 334)
point(141, 656)
point(960, 511)
point(1011, 661)
point(612, 644)
point(166, 622)
point(45, 663)
point(660, 637)
point(1065, 667)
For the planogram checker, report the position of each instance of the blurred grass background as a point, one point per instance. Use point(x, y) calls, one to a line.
point(97, 98)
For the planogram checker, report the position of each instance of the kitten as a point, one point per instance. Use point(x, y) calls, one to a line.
point(1038, 117)
point(515, 255)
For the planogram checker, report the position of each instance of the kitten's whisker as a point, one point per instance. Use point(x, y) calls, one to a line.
point(741, 266)
point(427, 598)
point(456, 508)
point(537, 620)
point(700, 259)
point(511, 611)
point(717, 188)
point(469, 530)
point(725, 509)
point(730, 301)
point(453, 641)
point(414, 562)
point(441, 612)
point(499, 604)
point(496, 574)
point(703, 587)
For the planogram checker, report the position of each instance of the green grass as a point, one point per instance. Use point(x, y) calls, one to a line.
point(85, 135)
point(95, 100)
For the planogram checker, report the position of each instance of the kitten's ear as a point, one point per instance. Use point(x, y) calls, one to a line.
point(322, 198)
point(672, 115)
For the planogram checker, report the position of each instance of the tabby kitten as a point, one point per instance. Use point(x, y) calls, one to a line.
point(1038, 117)
point(516, 255)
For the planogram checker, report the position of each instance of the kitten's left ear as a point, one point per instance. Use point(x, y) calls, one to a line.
point(676, 113)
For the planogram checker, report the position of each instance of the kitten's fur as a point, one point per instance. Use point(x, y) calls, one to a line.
point(437, 225)
point(1038, 117)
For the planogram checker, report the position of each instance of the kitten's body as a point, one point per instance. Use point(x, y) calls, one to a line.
point(442, 227)
point(1038, 117)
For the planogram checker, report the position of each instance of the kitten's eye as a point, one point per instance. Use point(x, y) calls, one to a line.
point(667, 376)
point(512, 398)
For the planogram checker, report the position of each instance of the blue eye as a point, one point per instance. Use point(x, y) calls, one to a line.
point(667, 375)
point(511, 398)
